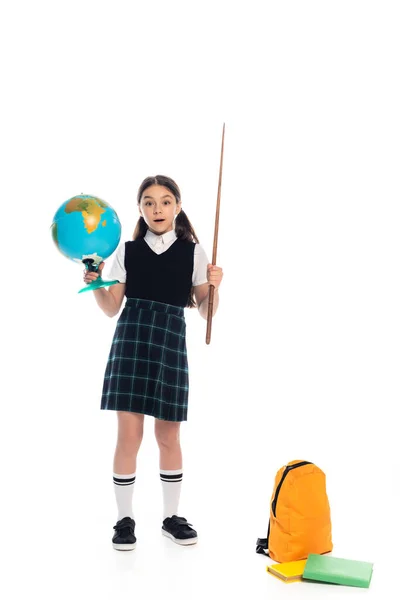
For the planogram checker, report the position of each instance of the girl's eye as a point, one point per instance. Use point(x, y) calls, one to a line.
point(167, 202)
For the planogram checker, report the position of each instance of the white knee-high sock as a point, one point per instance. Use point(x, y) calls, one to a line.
point(171, 482)
point(123, 487)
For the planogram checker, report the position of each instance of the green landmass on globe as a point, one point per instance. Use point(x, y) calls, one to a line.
point(91, 210)
point(85, 225)
point(87, 230)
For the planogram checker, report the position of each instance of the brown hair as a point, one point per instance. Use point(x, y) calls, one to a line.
point(183, 227)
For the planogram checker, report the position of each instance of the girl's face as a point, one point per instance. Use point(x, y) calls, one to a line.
point(158, 207)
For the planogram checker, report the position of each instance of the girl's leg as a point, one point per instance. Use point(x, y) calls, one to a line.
point(130, 435)
point(168, 439)
point(174, 527)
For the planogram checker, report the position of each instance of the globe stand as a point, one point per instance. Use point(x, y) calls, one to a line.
point(99, 283)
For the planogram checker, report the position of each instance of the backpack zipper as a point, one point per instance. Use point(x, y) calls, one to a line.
point(285, 472)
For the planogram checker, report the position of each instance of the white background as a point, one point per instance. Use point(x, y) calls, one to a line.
point(303, 361)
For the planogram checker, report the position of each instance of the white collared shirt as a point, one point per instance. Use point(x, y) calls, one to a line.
point(159, 244)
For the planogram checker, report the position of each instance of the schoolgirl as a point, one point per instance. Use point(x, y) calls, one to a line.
point(162, 271)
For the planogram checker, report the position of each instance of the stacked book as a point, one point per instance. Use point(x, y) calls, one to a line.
point(326, 569)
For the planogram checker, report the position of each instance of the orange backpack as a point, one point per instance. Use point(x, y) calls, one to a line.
point(300, 519)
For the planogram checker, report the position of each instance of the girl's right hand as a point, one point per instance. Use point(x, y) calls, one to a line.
point(89, 276)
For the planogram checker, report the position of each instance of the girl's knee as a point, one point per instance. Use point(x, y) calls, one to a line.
point(130, 432)
point(167, 434)
point(128, 445)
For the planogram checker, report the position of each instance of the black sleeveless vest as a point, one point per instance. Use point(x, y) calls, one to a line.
point(165, 277)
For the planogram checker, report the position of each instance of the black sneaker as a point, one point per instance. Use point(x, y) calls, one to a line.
point(124, 536)
point(179, 530)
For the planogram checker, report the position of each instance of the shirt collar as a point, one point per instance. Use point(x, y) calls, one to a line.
point(153, 238)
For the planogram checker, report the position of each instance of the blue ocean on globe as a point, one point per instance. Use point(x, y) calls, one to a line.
point(86, 225)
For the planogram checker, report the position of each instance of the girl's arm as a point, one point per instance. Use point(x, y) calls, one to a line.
point(110, 300)
point(201, 292)
point(201, 295)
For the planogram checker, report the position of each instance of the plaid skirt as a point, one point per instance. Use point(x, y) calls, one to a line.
point(147, 369)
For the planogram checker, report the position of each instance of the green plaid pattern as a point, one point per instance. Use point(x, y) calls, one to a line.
point(147, 370)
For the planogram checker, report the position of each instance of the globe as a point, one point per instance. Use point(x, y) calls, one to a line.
point(87, 230)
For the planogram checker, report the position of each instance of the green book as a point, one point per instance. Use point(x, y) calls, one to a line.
point(330, 569)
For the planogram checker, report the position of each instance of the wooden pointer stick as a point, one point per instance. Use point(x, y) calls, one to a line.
point(214, 256)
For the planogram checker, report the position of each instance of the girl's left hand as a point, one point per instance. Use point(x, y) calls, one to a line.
point(214, 275)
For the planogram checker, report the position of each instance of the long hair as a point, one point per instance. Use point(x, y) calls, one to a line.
point(183, 227)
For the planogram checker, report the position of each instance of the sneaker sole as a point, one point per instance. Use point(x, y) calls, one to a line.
point(124, 546)
point(187, 542)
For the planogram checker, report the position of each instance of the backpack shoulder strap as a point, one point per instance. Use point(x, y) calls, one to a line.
point(262, 543)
